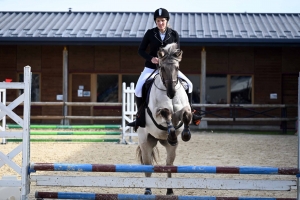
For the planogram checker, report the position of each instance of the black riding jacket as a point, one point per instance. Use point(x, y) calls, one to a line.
point(152, 38)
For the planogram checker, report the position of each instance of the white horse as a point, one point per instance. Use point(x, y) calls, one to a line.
point(168, 109)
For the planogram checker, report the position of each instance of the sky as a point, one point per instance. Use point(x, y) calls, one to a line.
point(234, 6)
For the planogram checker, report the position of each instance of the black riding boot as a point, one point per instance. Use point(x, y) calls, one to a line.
point(196, 118)
point(140, 115)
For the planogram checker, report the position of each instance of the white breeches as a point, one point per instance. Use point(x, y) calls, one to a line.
point(147, 72)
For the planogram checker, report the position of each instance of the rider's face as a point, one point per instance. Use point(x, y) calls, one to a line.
point(161, 23)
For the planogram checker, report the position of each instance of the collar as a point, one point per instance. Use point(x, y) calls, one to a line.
point(167, 34)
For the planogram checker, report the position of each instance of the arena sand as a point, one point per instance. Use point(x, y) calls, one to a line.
point(204, 148)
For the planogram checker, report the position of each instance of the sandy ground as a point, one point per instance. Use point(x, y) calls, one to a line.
point(205, 148)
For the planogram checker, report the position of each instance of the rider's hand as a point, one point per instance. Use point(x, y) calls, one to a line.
point(154, 60)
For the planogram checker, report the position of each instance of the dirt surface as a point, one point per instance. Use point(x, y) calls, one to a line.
point(205, 148)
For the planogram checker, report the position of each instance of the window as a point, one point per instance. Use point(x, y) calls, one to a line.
point(107, 88)
point(241, 89)
point(35, 86)
point(216, 89)
point(130, 79)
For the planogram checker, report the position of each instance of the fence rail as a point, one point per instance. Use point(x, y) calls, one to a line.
point(216, 118)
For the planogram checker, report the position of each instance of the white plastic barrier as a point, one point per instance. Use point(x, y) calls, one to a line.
point(128, 112)
point(3, 101)
point(22, 185)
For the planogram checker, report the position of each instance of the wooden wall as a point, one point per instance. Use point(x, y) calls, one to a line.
point(275, 69)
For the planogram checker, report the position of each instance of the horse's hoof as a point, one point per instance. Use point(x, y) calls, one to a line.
point(172, 142)
point(186, 135)
point(170, 192)
point(148, 191)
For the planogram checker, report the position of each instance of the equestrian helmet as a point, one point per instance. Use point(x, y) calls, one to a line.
point(161, 12)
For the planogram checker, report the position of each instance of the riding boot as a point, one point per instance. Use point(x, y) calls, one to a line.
point(196, 118)
point(140, 115)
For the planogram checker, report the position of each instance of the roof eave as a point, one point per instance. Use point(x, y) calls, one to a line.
point(240, 42)
point(137, 40)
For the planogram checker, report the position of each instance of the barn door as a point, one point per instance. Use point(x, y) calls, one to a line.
point(81, 92)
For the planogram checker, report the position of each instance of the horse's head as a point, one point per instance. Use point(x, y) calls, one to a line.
point(169, 58)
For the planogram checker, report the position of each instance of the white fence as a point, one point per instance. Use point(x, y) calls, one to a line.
point(24, 147)
point(129, 110)
point(3, 101)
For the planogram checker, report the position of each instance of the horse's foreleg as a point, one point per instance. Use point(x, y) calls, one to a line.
point(167, 115)
point(185, 116)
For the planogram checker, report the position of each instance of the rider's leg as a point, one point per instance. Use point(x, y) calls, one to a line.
point(140, 116)
point(196, 118)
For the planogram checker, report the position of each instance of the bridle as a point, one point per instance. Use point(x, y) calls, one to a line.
point(164, 81)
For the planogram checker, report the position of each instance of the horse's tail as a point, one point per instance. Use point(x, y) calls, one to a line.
point(154, 155)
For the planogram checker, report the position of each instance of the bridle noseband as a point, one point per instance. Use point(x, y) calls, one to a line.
point(167, 80)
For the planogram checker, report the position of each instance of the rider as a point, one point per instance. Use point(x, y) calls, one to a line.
point(156, 37)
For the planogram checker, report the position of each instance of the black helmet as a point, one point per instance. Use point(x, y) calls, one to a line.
point(161, 12)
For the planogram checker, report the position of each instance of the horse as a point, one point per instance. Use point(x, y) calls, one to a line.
point(167, 110)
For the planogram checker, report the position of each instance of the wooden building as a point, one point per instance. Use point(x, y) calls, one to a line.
point(250, 58)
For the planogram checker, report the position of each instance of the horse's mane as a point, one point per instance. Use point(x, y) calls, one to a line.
point(171, 48)
point(170, 54)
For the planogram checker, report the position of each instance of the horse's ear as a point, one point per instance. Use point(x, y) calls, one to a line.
point(161, 53)
point(178, 54)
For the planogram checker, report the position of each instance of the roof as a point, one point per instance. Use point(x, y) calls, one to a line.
point(129, 27)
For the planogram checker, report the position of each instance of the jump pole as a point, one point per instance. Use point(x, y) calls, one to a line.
point(74, 133)
point(108, 126)
point(98, 196)
point(162, 169)
point(179, 183)
point(66, 140)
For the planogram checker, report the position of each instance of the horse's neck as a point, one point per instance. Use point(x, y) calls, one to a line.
point(160, 92)
point(159, 83)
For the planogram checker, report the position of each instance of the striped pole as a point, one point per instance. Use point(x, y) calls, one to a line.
point(68, 126)
point(95, 196)
point(162, 169)
point(64, 140)
point(74, 133)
